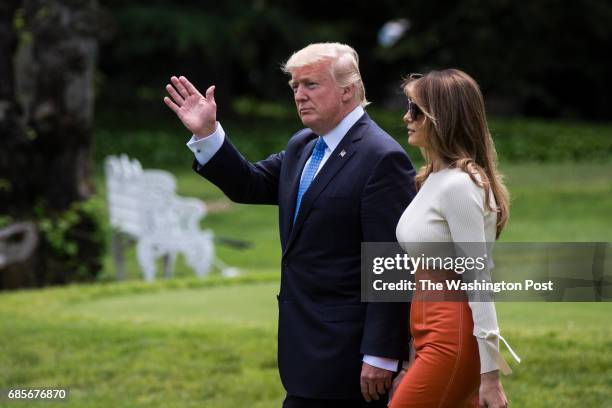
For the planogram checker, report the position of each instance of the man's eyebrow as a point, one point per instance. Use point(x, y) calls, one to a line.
point(302, 80)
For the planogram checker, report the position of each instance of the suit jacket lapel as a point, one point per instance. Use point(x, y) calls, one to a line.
point(295, 183)
point(331, 167)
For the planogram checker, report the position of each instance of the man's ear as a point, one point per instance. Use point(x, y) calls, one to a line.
point(348, 93)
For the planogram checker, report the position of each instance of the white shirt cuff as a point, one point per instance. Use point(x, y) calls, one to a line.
point(205, 148)
point(388, 364)
point(490, 357)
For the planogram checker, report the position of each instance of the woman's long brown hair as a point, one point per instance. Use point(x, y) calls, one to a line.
point(457, 132)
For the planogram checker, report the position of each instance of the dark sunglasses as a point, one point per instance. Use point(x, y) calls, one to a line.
point(413, 109)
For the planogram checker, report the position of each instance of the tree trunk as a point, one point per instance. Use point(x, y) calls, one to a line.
point(47, 60)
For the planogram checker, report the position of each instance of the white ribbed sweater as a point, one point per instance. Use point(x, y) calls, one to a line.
point(450, 207)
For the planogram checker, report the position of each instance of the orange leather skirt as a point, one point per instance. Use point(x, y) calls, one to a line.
point(446, 370)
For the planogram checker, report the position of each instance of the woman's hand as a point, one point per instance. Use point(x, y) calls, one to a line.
point(491, 393)
point(403, 371)
point(396, 383)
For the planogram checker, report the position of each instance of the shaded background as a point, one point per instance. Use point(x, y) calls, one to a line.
point(545, 58)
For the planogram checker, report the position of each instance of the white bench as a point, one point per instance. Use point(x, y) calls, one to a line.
point(144, 207)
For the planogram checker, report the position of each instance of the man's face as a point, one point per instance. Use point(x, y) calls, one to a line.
point(318, 99)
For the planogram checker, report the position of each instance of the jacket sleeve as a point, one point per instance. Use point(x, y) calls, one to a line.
point(386, 195)
point(242, 181)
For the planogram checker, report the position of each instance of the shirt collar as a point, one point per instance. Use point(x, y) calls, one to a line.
point(335, 136)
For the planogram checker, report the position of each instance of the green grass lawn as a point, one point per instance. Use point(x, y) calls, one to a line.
point(549, 202)
point(559, 202)
point(175, 345)
point(212, 342)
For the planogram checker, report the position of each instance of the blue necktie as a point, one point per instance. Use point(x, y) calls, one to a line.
point(309, 173)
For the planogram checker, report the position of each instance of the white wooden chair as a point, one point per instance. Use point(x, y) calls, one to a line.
point(144, 207)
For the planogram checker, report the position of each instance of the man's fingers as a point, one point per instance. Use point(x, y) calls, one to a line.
point(389, 382)
point(171, 105)
point(180, 87)
point(189, 86)
point(380, 387)
point(374, 382)
point(372, 391)
point(178, 99)
point(210, 94)
point(364, 390)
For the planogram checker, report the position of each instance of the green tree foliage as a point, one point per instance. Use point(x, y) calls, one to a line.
point(544, 57)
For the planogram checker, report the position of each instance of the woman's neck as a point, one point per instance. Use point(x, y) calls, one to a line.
point(437, 164)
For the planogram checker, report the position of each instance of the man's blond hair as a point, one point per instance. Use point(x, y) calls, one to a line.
point(344, 67)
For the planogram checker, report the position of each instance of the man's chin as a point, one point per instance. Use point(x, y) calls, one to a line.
point(305, 121)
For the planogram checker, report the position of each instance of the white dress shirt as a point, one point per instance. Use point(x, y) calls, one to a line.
point(205, 148)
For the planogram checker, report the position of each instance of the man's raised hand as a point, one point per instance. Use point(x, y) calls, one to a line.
point(197, 112)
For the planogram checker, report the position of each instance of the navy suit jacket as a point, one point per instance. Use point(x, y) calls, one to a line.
point(358, 196)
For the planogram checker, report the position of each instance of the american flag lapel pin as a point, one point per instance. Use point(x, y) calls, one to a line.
point(342, 153)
